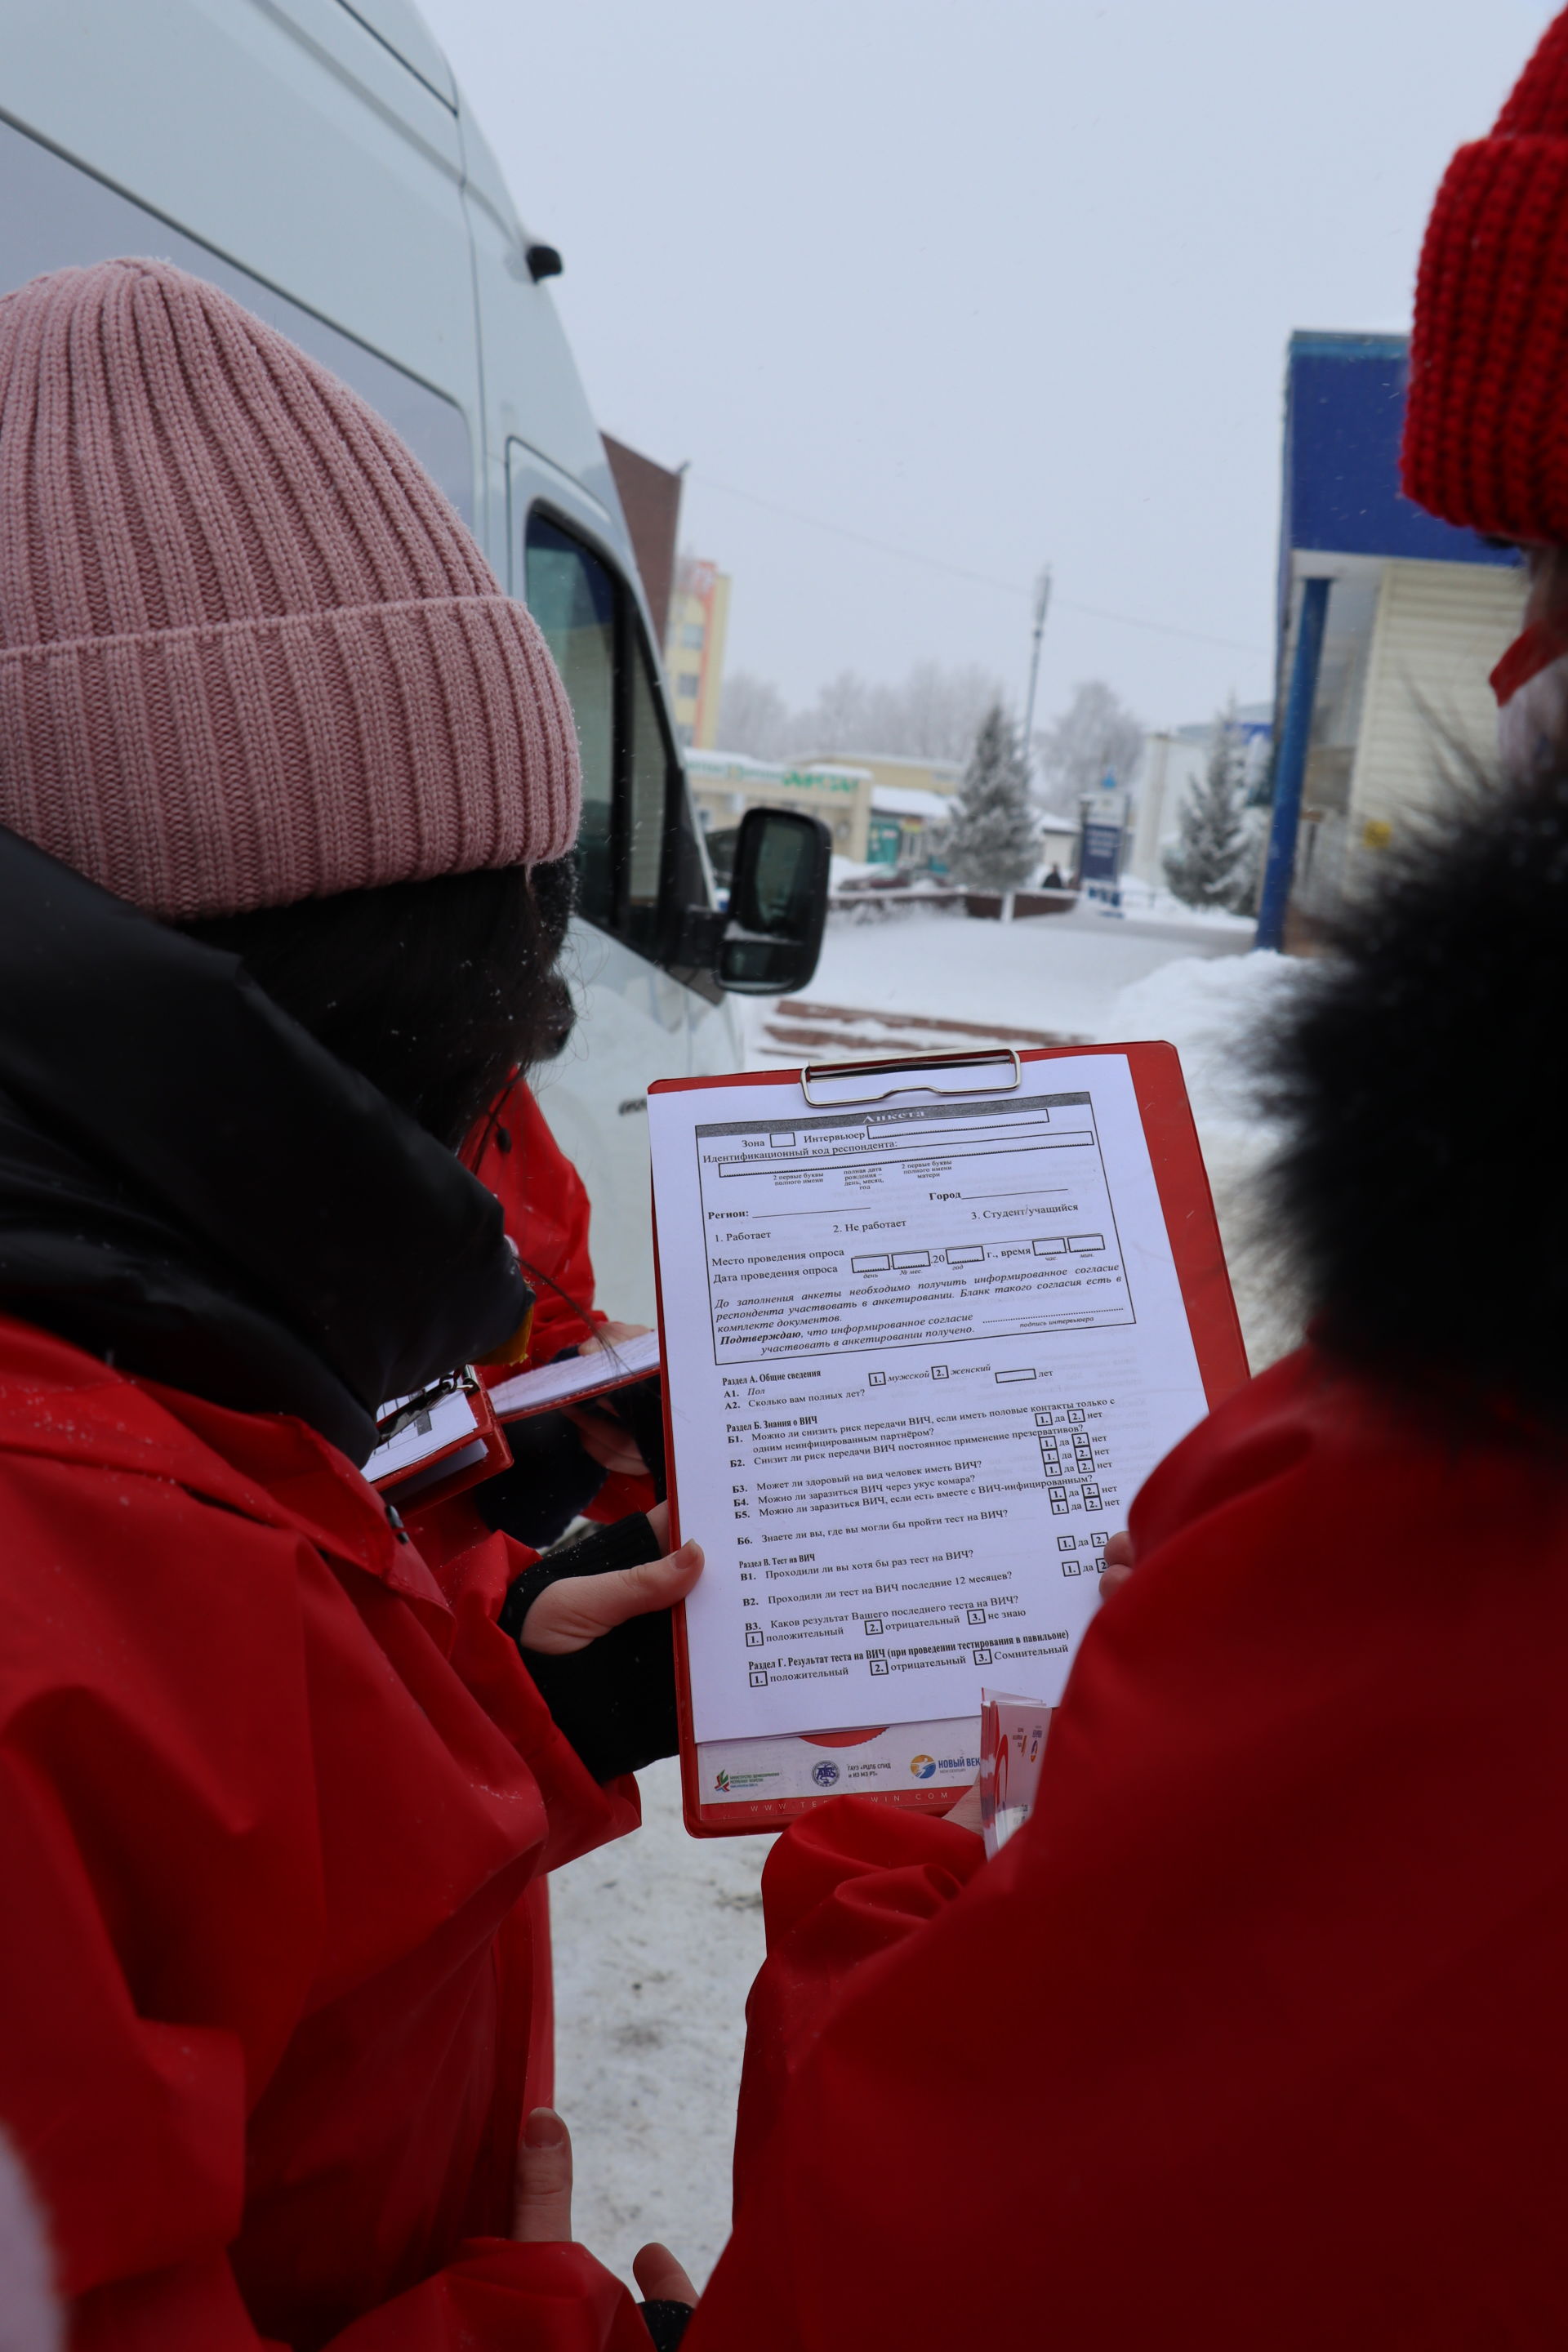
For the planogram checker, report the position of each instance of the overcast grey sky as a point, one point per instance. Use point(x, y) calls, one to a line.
point(994, 283)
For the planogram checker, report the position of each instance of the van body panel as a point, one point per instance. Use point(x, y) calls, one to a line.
point(52, 214)
point(292, 142)
point(532, 391)
point(531, 475)
point(718, 1039)
point(409, 38)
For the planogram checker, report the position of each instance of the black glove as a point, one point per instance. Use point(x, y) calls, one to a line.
point(666, 2322)
point(552, 1479)
point(614, 1698)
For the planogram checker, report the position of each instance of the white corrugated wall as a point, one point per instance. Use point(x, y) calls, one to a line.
point(1439, 632)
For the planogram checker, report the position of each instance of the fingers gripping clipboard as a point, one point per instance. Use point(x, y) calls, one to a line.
point(927, 1325)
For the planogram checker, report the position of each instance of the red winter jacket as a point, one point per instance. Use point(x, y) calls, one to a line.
point(1255, 2036)
point(546, 1210)
point(272, 1799)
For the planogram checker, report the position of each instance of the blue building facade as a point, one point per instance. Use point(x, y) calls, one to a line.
point(1387, 624)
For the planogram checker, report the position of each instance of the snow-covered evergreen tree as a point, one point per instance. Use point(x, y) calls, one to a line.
point(1246, 881)
point(993, 841)
point(1202, 869)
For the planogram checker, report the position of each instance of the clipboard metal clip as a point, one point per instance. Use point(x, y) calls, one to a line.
point(905, 1065)
point(396, 1418)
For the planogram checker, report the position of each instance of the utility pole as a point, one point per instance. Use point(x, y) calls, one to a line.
point(1042, 605)
point(1290, 768)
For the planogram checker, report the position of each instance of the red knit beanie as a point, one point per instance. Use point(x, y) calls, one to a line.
point(1486, 431)
point(248, 654)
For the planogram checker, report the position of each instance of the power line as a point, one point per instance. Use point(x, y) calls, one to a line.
point(838, 530)
point(960, 572)
point(1162, 628)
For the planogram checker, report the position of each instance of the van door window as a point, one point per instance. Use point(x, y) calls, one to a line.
point(572, 596)
point(647, 802)
point(638, 869)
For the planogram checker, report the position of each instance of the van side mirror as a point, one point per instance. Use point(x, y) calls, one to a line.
point(778, 903)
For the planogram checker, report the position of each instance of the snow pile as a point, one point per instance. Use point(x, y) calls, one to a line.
point(1205, 1006)
point(1147, 898)
point(849, 869)
point(1208, 1007)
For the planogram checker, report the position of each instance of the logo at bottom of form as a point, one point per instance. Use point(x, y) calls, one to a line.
point(728, 1783)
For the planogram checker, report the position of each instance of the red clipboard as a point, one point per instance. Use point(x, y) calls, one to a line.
point(474, 1450)
point(1187, 1205)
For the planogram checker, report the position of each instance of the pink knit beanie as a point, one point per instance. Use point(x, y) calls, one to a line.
point(248, 654)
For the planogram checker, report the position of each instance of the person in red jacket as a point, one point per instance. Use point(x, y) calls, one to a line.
point(288, 790)
point(601, 1460)
point(1253, 2036)
point(545, 1204)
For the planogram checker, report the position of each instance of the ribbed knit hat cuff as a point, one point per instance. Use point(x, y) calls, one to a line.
point(248, 654)
point(1485, 432)
point(370, 744)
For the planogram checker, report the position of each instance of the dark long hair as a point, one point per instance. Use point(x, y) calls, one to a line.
point(433, 991)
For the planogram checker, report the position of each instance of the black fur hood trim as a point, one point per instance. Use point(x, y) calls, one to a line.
point(1423, 1078)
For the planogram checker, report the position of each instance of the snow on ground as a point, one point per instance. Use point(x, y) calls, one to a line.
point(1144, 899)
point(657, 1943)
point(658, 1938)
point(1053, 972)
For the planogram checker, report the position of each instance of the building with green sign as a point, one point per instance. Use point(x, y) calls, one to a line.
point(724, 786)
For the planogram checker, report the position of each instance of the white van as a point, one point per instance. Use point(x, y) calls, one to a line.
point(316, 159)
